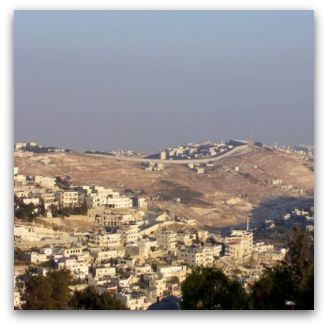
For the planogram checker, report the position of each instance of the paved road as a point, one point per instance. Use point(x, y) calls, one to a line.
point(176, 161)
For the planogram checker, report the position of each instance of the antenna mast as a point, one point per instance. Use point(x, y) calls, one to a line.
point(247, 224)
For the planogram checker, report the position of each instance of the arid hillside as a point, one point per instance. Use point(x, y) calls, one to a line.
point(235, 188)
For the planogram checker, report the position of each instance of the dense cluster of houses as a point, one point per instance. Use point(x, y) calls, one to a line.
point(47, 192)
point(136, 253)
point(302, 217)
point(137, 257)
point(303, 150)
point(196, 150)
point(34, 147)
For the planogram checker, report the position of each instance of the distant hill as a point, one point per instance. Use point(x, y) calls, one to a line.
point(225, 194)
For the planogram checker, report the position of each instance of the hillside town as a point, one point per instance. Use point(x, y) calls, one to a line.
point(201, 150)
point(195, 150)
point(34, 147)
point(138, 254)
point(161, 160)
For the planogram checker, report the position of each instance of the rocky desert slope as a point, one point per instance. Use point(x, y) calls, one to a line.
point(236, 187)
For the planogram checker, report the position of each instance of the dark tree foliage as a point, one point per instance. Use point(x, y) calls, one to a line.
point(42, 208)
point(20, 257)
point(274, 289)
point(25, 212)
point(54, 210)
point(67, 211)
point(37, 294)
point(291, 284)
point(89, 299)
point(299, 257)
point(63, 183)
point(61, 294)
point(50, 292)
point(210, 289)
point(305, 299)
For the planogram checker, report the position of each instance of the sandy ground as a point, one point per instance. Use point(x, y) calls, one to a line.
point(205, 197)
point(71, 223)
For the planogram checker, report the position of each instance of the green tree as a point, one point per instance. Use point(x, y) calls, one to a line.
point(89, 299)
point(299, 257)
point(210, 289)
point(289, 285)
point(42, 208)
point(20, 257)
point(54, 210)
point(60, 282)
point(305, 300)
point(23, 211)
point(37, 295)
point(273, 290)
point(63, 183)
point(50, 292)
point(84, 208)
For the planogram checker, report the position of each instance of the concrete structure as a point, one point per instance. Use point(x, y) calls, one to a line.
point(106, 240)
point(163, 155)
point(79, 269)
point(68, 199)
point(239, 245)
point(116, 201)
point(166, 239)
point(133, 300)
point(199, 256)
point(48, 182)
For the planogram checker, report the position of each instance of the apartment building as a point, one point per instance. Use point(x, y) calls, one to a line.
point(68, 198)
point(199, 256)
point(166, 239)
point(48, 182)
point(186, 238)
point(146, 247)
point(96, 195)
point(239, 245)
point(129, 233)
point(104, 272)
point(173, 271)
point(78, 268)
point(107, 255)
point(106, 240)
point(49, 199)
point(117, 201)
point(115, 218)
point(133, 300)
point(73, 251)
point(37, 258)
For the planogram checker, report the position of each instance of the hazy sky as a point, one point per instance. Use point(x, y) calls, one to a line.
point(149, 79)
